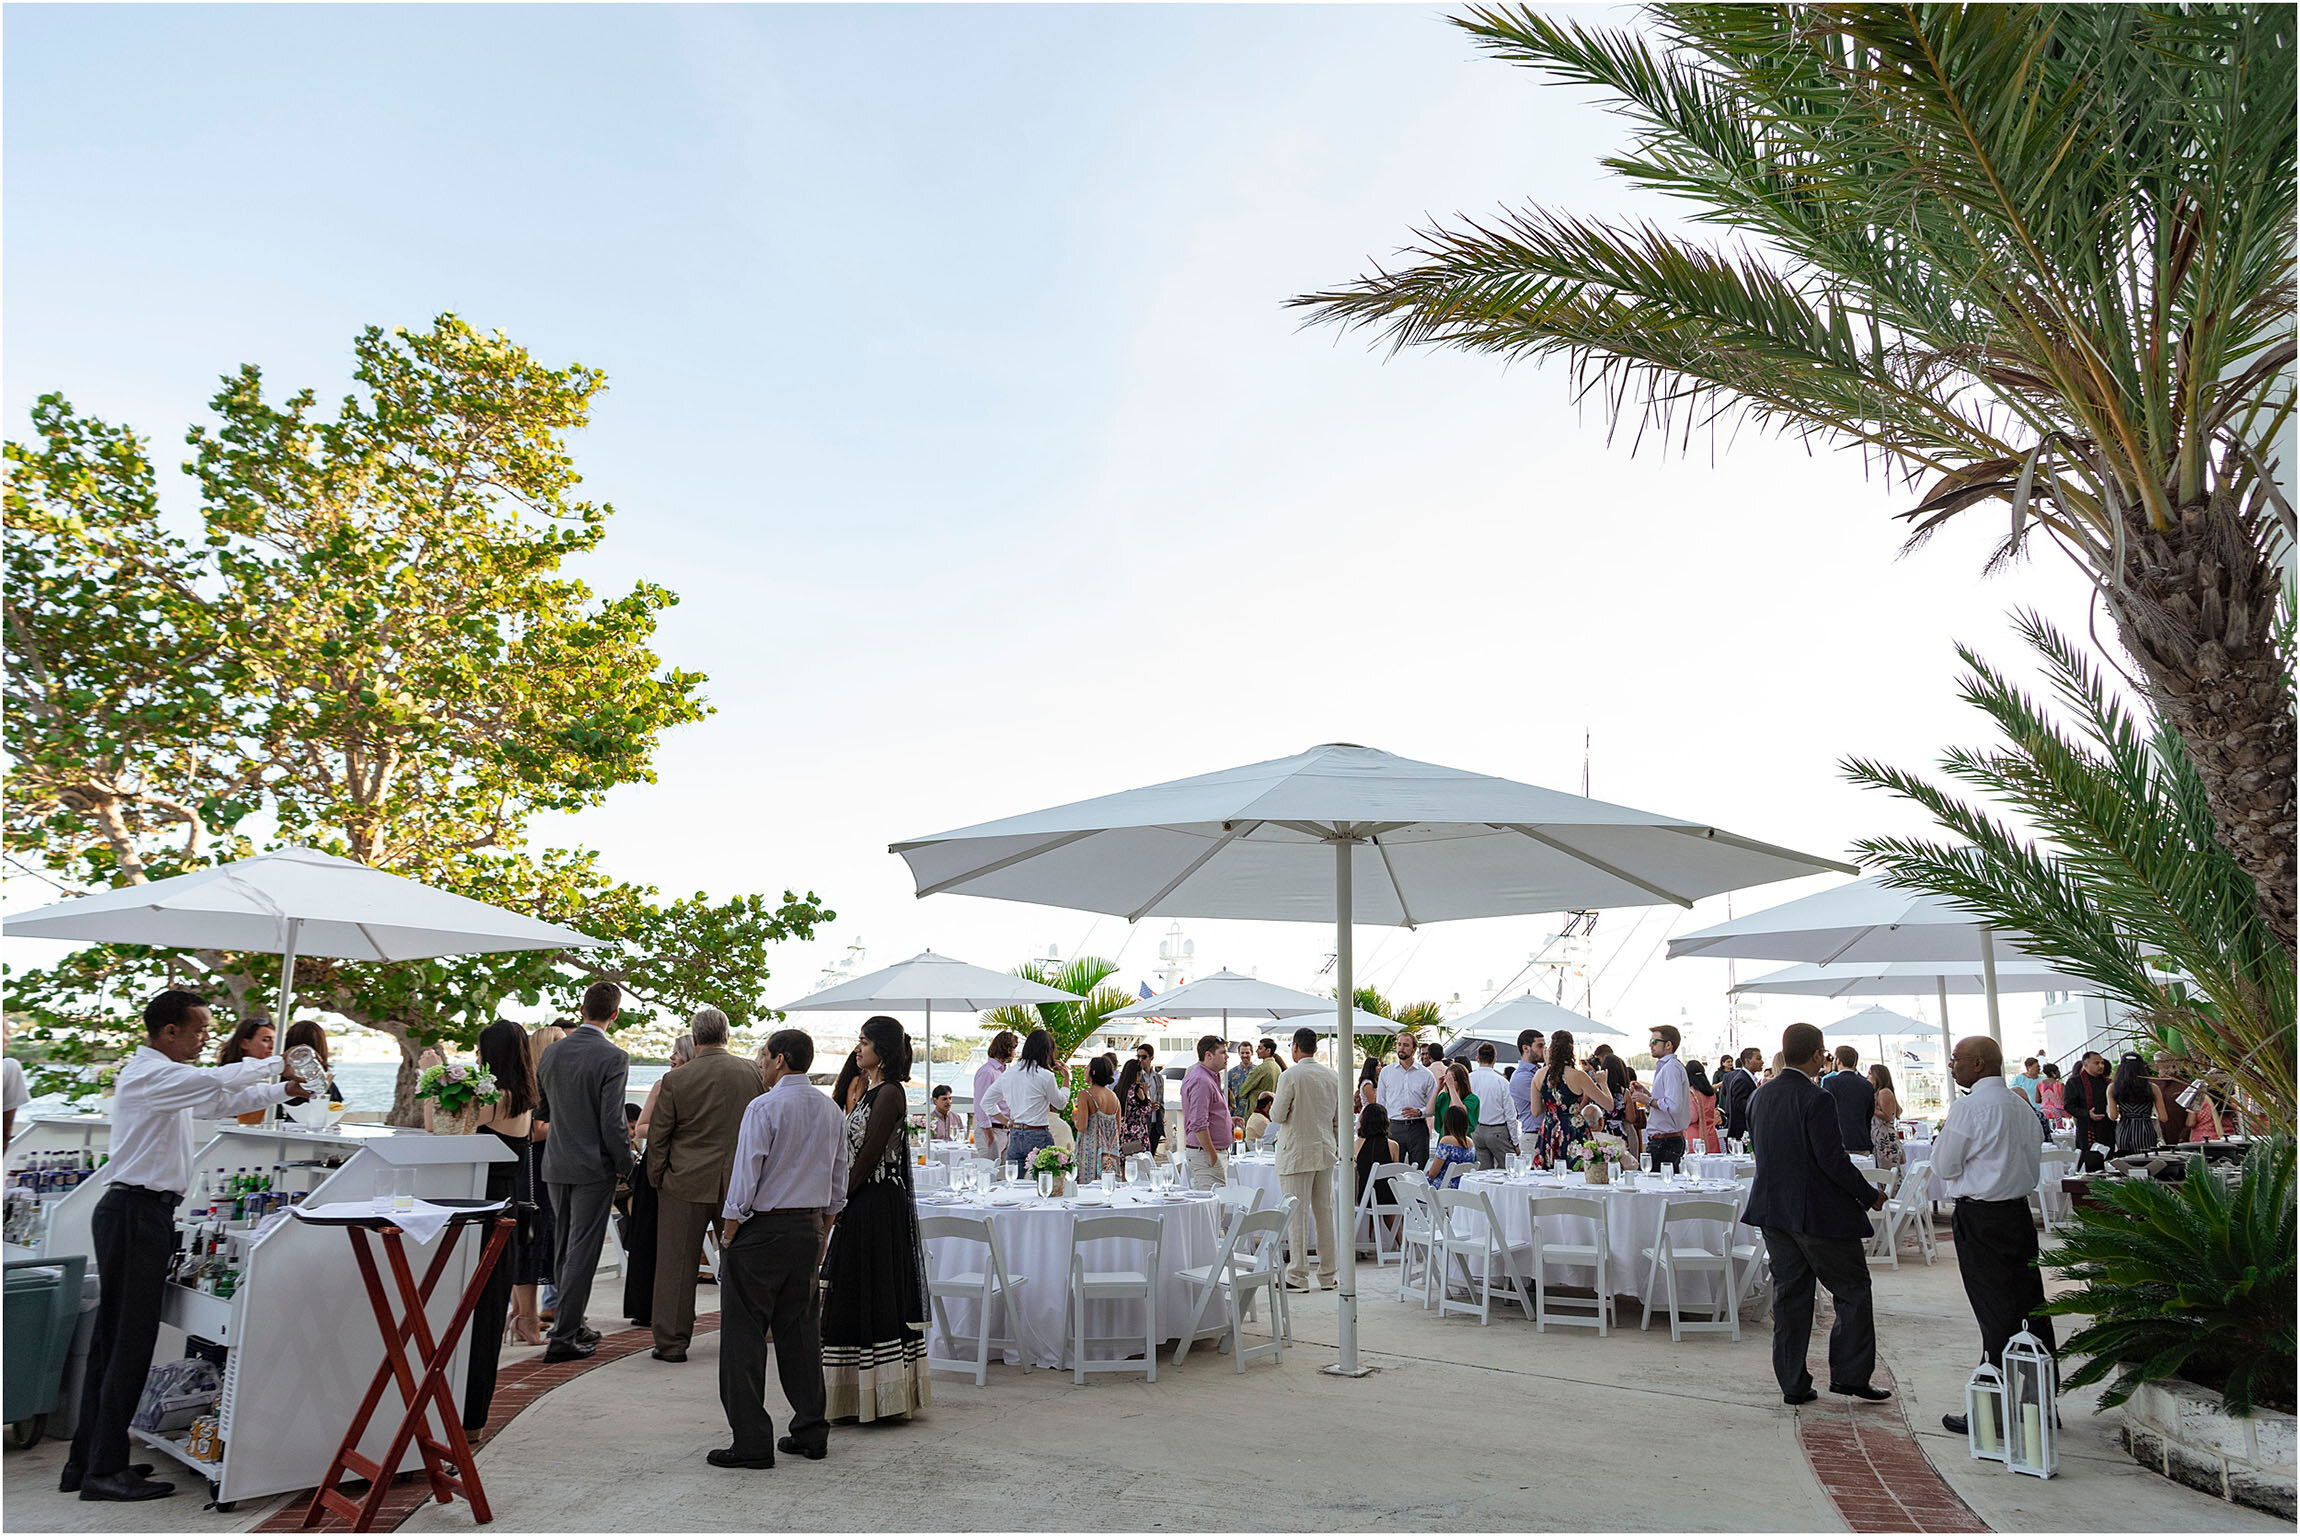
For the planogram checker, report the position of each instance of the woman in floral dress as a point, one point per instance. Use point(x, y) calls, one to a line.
point(1561, 1089)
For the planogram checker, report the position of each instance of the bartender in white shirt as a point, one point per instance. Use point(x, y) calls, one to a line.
point(1986, 1158)
point(154, 1100)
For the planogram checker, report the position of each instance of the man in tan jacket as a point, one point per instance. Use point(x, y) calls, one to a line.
point(1309, 1099)
point(690, 1147)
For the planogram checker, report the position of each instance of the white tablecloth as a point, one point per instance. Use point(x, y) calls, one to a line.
point(1632, 1221)
point(1034, 1236)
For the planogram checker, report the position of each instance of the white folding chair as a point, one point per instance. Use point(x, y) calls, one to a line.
point(1876, 1252)
point(1114, 1285)
point(1417, 1235)
point(1669, 1257)
point(2053, 1207)
point(1479, 1253)
point(987, 1287)
point(1249, 1262)
point(1909, 1212)
point(1542, 1253)
point(1236, 1200)
point(1377, 1210)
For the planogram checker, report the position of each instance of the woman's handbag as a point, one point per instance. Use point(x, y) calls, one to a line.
point(529, 1232)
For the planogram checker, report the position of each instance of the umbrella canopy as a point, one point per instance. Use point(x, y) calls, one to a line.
point(1227, 995)
point(927, 981)
point(1428, 844)
point(1345, 834)
point(1881, 1023)
point(1361, 1023)
point(342, 911)
point(1914, 978)
point(295, 901)
point(1862, 923)
point(1227, 992)
point(1503, 1021)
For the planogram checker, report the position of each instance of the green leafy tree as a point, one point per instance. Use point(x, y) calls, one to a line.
point(2035, 256)
point(1070, 1025)
point(370, 641)
point(2121, 881)
point(1424, 1020)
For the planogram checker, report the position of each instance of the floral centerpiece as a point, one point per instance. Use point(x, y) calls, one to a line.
point(1052, 1165)
point(456, 1092)
point(1599, 1155)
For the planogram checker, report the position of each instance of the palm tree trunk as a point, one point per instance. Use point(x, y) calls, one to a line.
point(2198, 613)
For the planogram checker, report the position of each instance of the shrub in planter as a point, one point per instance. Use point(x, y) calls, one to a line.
point(2194, 1280)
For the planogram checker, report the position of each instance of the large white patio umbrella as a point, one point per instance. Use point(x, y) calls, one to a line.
point(1880, 1025)
point(1226, 993)
point(1345, 834)
point(1362, 1024)
point(1911, 978)
point(1862, 923)
point(927, 981)
point(297, 901)
point(1504, 1021)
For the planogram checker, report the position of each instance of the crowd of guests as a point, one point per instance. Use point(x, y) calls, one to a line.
point(794, 1186)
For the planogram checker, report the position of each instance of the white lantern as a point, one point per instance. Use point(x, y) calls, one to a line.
point(1985, 1413)
point(2031, 1386)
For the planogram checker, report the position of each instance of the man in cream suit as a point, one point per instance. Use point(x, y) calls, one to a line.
point(1309, 1099)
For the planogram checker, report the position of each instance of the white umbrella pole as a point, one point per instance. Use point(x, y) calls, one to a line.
point(1989, 981)
point(929, 1072)
point(287, 973)
point(1941, 984)
point(1346, 1069)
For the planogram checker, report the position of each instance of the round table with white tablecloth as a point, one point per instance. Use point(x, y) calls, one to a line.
point(1034, 1237)
point(1632, 1222)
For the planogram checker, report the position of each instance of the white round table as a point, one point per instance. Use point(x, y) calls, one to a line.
point(1632, 1223)
point(1034, 1238)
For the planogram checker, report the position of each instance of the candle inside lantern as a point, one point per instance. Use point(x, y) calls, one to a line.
point(1987, 1424)
point(2032, 1434)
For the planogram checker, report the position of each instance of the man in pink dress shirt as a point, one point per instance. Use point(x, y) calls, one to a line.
point(989, 1137)
point(1206, 1116)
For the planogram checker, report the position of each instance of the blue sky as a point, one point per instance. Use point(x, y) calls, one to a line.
point(951, 388)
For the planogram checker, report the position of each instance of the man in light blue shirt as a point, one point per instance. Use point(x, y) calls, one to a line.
point(1529, 1059)
point(1668, 1102)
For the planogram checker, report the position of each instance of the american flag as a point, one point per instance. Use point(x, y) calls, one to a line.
point(1142, 990)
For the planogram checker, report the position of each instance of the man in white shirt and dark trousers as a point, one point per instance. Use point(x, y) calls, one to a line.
point(1492, 1135)
point(787, 1183)
point(154, 1099)
point(1668, 1103)
point(1406, 1091)
point(1986, 1158)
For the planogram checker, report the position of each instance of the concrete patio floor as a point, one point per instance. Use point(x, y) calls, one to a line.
point(1462, 1427)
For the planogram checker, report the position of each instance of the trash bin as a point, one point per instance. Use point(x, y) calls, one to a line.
point(39, 1314)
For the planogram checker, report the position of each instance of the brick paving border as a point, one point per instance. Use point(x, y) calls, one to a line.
point(516, 1386)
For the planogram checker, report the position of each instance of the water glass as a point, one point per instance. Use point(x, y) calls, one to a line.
point(403, 1189)
point(380, 1198)
point(1109, 1183)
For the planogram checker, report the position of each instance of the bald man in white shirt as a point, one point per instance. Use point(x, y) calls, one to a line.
point(1986, 1157)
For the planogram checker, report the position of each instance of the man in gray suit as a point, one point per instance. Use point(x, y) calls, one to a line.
point(1308, 1112)
point(690, 1146)
point(581, 1081)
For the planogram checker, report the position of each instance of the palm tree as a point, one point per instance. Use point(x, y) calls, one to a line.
point(1425, 1021)
point(1070, 1024)
point(2034, 255)
point(2125, 884)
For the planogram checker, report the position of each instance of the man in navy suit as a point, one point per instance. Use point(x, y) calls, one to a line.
point(1812, 1204)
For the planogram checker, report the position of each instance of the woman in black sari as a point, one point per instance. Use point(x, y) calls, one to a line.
point(874, 1299)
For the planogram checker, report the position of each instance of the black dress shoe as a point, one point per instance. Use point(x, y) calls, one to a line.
point(670, 1356)
point(1954, 1423)
point(558, 1352)
point(730, 1458)
point(1864, 1392)
point(791, 1447)
point(122, 1488)
point(70, 1481)
point(587, 1335)
point(1800, 1396)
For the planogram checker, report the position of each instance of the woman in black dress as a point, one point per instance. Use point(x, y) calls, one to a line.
point(510, 1120)
point(874, 1298)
